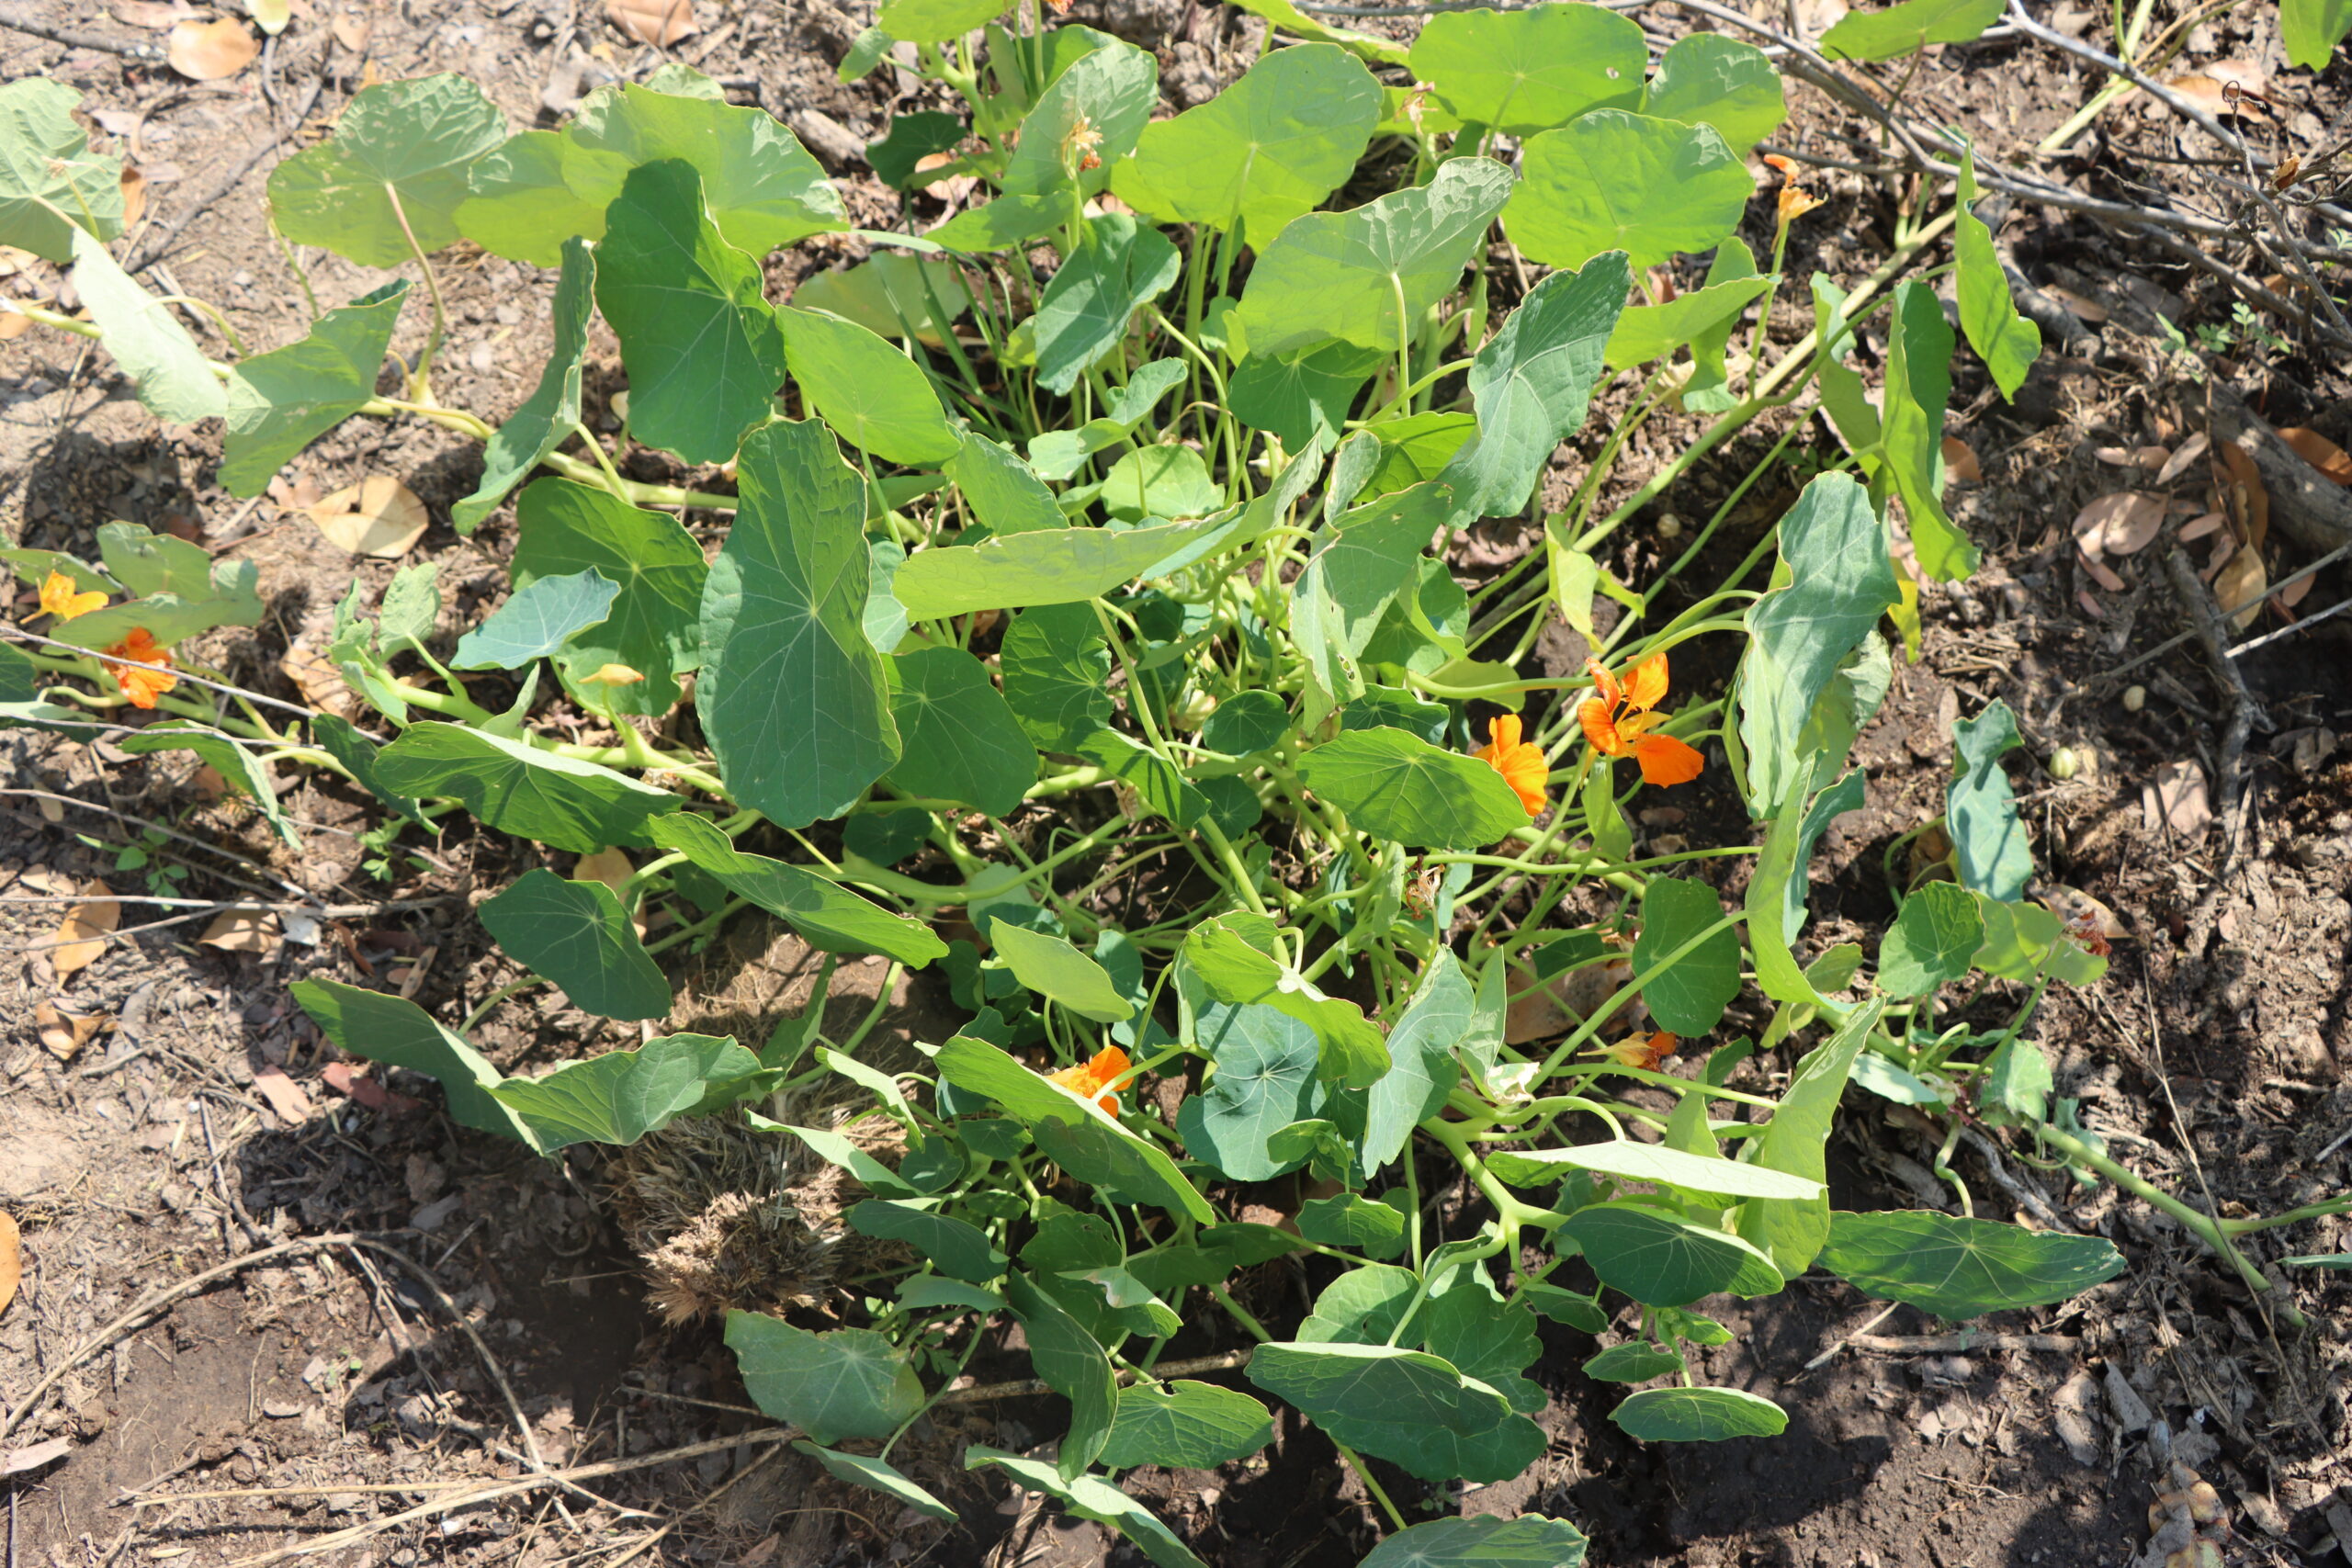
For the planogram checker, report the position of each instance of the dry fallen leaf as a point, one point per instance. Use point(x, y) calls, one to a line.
point(321, 683)
point(1960, 461)
point(2319, 453)
point(2121, 524)
point(2088, 311)
point(2177, 799)
point(285, 1096)
point(2077, 908)
point(2197, 527)
point(13, 324)
point(610, 867)
point(63, 1034)
point(134, 195)
point(206, 51)
point(357, 1083)
point(2241, 581)
point(241, 930)
point(2102, 573)
point(2286, 598)
point(2244, 498)
point(350, 31)
point(11, 1267)
point(19, 1461)
point(658, 22)
point(152, 15)
point(377, 516)
point(2208, 88)
point(84, 929)
point(2178, 463)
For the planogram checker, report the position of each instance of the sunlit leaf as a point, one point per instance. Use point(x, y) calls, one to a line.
point(1616, 181)
point(960, 742)
point(537, 620)
point(1397, 786)
point(279, 401)
point(621, 1096)
point(547, 416)
point(389, 182)
point(560, 801)
point(1713, 79)
point(849, 1382)
point(50, 183)
point(1120, 266)
point(1961, 1268)
point(1483, 1541)
point(868, 392)
point(577, 934)
point(1109, 97)
point(1932, 940)
point(1907, 26)
point(1265, 1079)
point(1520, 72)
point(653, 626)
point(400, 1033)
point(1697, 1416)
point(1532, 380)
point(175, 382)
point(831, 917)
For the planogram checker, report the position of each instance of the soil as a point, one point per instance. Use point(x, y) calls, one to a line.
point(383, 1298)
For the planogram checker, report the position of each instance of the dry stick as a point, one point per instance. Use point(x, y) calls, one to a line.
point(73, 40)
point(1831, 1354)
point(1956, 1344)
point(2214, 639)
point(2172, 642)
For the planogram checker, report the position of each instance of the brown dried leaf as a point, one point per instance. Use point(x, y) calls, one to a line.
point(11, 1265)
point(1960, 461)
point(610, 867)
point(2286, 598)
point(243, 930)
point(134, 194)
point(64, 1035)
point(2088, 311)
point(351, 32)
point(206, 51)
point(13, 324)
point(658, 22)
point(2208, 88)
point(377, 516)
point(2244, 497)
point(321, 683)
point(2179, 462)
point(2319, 453)
point(152, 15)
point(2121, 524)
point(84, 929)
point(285, 1096)
point(2241, 581)
point(2179, 798)
point(21, 1462)
point(2199, 526)
point(2100, 573)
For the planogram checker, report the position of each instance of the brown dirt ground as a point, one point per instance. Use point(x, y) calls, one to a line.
point(2215, 1054)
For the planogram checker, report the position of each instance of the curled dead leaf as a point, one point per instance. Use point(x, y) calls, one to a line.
point(241, 930)
point(2244, 498)
point(321, 684)
point(2286, 598)
point(134, 195)
point(1960, 461)
point(377, 516)
point(84, 930)
point(2240, 585)
point(206, 51)
point(2319, 453)
point(2118, 524)
point(64, 1035)
point(2181, 461)
point(658, 22)
point(285, 1096)
point(2199, 526)
point(2100, 573)
point(2176, 799)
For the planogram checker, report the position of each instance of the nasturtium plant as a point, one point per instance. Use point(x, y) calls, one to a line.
point(1087, 534)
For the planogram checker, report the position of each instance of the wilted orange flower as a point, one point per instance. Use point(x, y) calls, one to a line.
point(1617, 718)
point(612, 675)
point(148, 675)
point(1079, 147)
point(1640, 1052)
point(1794, 203)
point(1522, 765)
point(1088, 1080)
point(59, 598)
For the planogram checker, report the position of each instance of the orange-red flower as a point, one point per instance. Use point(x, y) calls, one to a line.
point(1089, 1080)
point(1522, 765)
point(1641, 1052)
point(1793, 203)
point(1617, 721)
point(59, 598)
point(149, 672)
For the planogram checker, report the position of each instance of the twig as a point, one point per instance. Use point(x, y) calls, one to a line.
point(2206, 622)
point(1961, 1342)
point(2306, 623)
point(2172, 642)
point(161, 237)
point(1831, 1354)
point(73, 40)
point(16, 631)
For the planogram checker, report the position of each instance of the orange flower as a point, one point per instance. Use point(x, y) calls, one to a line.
point(1088, 1079)
point(1634, 1051)
point(1617, 719)
point(1522, 765)
point(58, 598)
point(1793, 203)
point(148, 675)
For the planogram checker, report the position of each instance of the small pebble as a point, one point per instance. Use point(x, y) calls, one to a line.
point(2134, 698)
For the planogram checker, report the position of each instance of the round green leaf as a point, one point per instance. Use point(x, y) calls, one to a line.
point(1483, 1541)
point(1615, 181)
point(577, 934)
point(1399, 786)
point(1160, 482)
point(50, 183)
point(1197, 1426)
point(1697, 1416)
point(1931, 942)
point(961, 741)
point(395, 168)
point(538, 619)
point(957, 1250)
point(1525, 71)
point(850, 1383)
point(1962, 1269)
point(871, 393)
point(654, 626)
point(1908, 27)
point(1691, 995)
point(1711, 79)
point(1265, 1079)
point(1662, 1261)
point(1637, 1361)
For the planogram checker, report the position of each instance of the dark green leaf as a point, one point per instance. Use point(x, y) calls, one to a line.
point(831, 917)
point(1091, 1497)
point(1158, 781)
point(519, 789)
point(1266, 149)
point(1565, 1307)
point(1421, 1048)
point(240, 769)
point(702, 348)
point(1615, 181)
point(1532, 380)
point(1121, 265)
point(545, 421)
point(1352, 1050)
point(959, 1250)
point(1358, 565)
point(850, 1383)
point(1491, 1341)
point(1918, 385)
point(1067, 1360)
point(1338, 276)
point(1962, 1269)
point(1795, 1141)
point(1195, 1426)
point(399, 1033)
point(1691, 995)
point(875, 1477)
point(621, 1096)
point(1056, 669)
point(1404, 1405)
point(1525, 70)
point(1485, 1540)
point(1697, 1416)
point(961, 741)
point(653, 627)
point(1246, 722)
point(1264, 1080)
point(577, 934)
point(1637, 1361)
point(279, 401)
point(394, 171)
point(1304, 395)
point(1981, 812)
point(999, 225)
point(50, 183)
point(2005, 341)
point(1662, 1261)
point(1932, 940)
point(1356, 1222)
point(794, 698)
point(912, 137)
